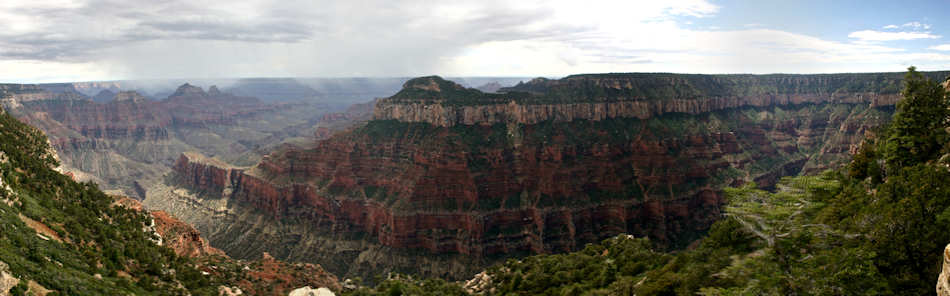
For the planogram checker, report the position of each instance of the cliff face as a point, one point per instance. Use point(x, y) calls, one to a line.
point(599, 97)
point(513, 112)
point(129, 142)
point(130, 115)
point(489, 189)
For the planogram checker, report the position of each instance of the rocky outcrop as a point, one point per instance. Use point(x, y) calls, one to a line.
point(308, 291)
point(7, 280)
point(207, 174)
point(181, 237)
point(269, 276)
point(264, 276)
point(943, 280)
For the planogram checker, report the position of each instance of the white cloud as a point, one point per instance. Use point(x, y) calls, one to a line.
point(910, 25)
point(871, 35)
point(916, 25)
point(112, 39)
point(943, 47)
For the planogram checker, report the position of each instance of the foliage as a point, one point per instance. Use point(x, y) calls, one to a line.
point(919, 130)
point(598, 269)
point(102, 249)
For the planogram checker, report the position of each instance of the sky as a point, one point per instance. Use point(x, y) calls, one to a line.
point(92, 40)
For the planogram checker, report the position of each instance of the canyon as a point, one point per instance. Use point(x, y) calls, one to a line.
point(131, 141)
point(64, 237)
point(445, 180)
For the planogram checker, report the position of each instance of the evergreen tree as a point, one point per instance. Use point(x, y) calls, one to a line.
point(919, 129)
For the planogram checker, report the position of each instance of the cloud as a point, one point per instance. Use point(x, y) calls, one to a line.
point(71, 32)
point(910, 25)
point(871, 35)
point(916, 25)
point(122, 39)
point(942, 47)
point(198, 38)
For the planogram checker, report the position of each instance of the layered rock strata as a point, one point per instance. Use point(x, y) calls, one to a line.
point(129, 142)
point(642, 96)
point(474, 190)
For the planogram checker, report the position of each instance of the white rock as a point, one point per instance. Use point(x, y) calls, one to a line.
point(7, 281)
point(229, 291)
point(308, 291)
point(943, 280)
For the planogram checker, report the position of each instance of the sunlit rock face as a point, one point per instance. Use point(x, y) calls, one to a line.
point(544, 166)
point(943, 280)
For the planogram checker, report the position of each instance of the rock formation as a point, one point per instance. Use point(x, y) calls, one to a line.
point(943, 280)
point(308, 291)
point(129, 142)
point(7, 280)
point(265, 276)
point(422, 100)
point(546, 166)
point(181, 237)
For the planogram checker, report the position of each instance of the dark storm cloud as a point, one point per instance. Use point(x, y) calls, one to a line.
point(271, 31)
point(73, 33)
point(218, 38)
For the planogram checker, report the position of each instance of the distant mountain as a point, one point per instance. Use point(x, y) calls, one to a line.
point(274, 89)
point(490, 87)
point(103, 96)
point(128, 142)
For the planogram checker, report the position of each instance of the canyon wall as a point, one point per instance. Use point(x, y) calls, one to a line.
point(446, 196)
point(604, 96)
point(514, 112)
point(129, 142)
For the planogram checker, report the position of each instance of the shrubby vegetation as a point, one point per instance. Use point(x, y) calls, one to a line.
point(104, 249)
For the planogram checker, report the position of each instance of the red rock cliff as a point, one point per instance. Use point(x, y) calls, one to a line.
point(547, 187)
